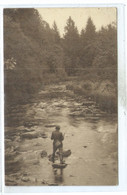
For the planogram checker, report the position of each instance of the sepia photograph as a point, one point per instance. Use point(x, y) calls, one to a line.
point(60, 96)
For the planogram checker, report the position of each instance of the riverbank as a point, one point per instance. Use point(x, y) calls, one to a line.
point(104, 93)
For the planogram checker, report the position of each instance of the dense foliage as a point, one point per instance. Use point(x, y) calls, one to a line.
point(35, 53)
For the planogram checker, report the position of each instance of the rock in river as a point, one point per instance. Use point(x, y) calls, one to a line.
point(66, 153)
point(30, 135)
point(43, 154)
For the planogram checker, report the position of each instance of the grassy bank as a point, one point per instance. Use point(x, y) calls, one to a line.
point(104, 93)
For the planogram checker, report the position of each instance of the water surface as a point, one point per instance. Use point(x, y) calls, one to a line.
point(89, 133)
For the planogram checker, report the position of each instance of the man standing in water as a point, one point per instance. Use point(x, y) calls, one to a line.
point(57, 138)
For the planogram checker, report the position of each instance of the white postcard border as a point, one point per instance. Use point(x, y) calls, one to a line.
point(122, 98)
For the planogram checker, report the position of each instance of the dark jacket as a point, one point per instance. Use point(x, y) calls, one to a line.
point(56, 135)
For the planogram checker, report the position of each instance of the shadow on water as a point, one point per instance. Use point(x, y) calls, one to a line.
point(58, 176)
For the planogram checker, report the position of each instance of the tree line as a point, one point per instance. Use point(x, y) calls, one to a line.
point(35, 52)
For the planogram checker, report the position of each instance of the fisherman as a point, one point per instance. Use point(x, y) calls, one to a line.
point(57, 138)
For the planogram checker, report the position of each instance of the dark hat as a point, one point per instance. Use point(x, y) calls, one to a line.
point(57, 127)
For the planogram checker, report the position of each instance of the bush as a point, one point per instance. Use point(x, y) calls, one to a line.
point(87, 85)
point(106, 103)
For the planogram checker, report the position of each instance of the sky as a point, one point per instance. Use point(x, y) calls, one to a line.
point(100, 16)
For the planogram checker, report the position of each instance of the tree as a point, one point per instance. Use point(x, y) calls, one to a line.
point(56, 33)
point(30, 52)
point(22, 53)
point(106, 47)
point(71, 45)
point(88, 38)
point(90, 30)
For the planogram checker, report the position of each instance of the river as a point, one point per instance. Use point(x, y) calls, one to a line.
point(89, 133)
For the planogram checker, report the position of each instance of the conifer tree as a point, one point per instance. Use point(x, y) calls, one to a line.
point(90, 30)
point(56, 33)
point(88, 37)
point(71, 45)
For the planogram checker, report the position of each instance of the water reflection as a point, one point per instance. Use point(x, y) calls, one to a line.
point(74, 121)
point(58, 175)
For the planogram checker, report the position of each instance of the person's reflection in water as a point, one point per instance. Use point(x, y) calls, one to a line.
point(58, 175)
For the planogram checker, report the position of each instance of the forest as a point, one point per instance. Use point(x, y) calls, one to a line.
point(36, 55)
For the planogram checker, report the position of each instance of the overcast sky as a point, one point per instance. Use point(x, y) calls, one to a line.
point(100, 16)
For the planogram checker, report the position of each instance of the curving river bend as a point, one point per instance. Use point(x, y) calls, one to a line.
point(90, 134)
